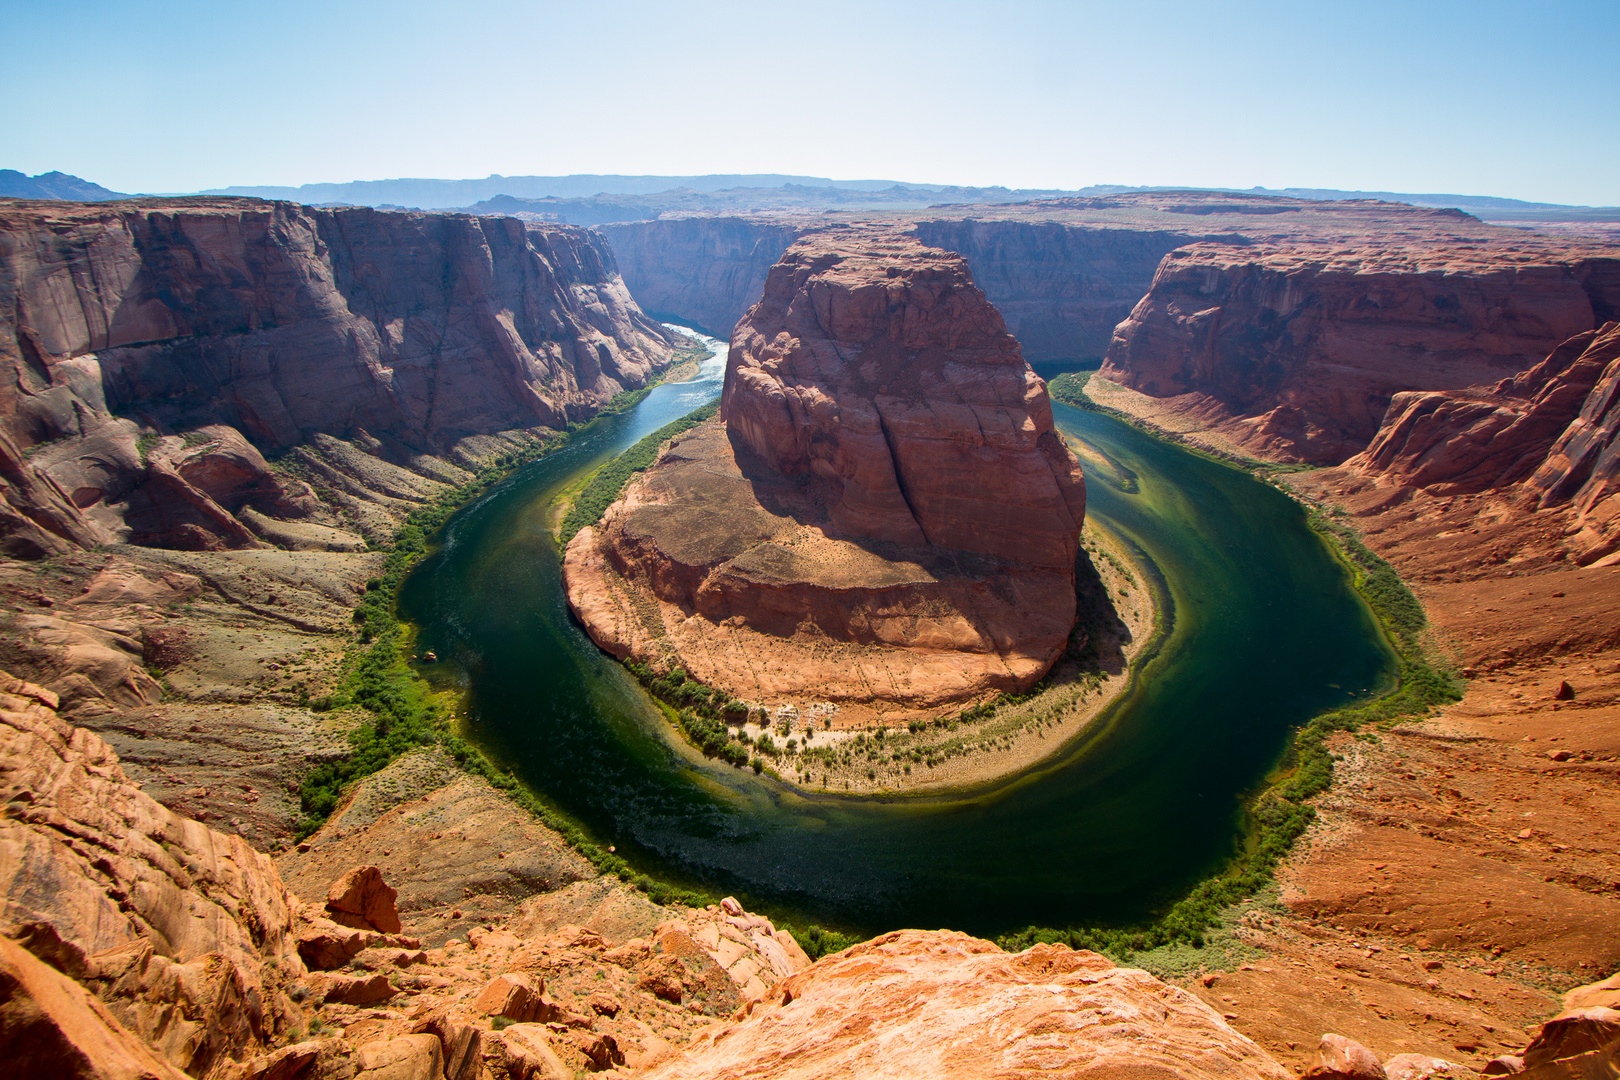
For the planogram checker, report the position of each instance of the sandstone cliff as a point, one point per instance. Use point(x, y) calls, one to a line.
point(1299, 346)
point(1285, 324)
point(235, 326)
point(1062, 288)
point(887, 516)
point(1547, 434)
point(703, 271)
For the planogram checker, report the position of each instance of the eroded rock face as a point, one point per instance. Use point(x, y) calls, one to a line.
point(228, 325)
point(875, 364)
point(1547, 435)
point(942, 1004)
point(1303, 344)
point(886, 517)
point(189, 930)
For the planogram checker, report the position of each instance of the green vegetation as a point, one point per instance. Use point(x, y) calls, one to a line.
point(701, 712)
point(377, 675)
point(602, 489)
point(1070, 388)
point(817, 942)
point(1278, 814)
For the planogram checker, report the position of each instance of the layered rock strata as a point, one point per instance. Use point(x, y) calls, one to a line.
point(136, 942)
point(1285, 325)
point(1548, 434)
point(1295, 349)
point(235, 327)
point(884, 514)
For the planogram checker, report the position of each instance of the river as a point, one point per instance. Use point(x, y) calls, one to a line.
point(1264, 631)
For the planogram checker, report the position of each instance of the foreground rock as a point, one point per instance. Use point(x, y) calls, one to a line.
point(885, 518)
point(135, 942)
point(942, 1004)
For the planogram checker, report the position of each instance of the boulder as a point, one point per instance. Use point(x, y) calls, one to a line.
point(355, 989)
point(1605, 993)
point(526, 1053)
point(361, 899)
point(408, 1057)
point(1422, 1066)
point(517, 996)
point(1339, 1058)
point(461, 1043)
point(1572, 1033)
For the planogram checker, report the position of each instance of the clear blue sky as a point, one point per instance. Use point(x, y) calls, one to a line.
point(1481, 97)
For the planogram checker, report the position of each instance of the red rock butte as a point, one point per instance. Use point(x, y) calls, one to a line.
point(883, 515)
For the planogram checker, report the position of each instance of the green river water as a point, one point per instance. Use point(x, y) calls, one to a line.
point(1264, 631)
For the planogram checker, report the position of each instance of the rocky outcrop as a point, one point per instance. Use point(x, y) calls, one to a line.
point(249, 326)
point(874, 364)
point(1302, 345)
point(886, 516)
point(187, 932)
point(1547, 435)
point(135, 942)
point(942, 1004)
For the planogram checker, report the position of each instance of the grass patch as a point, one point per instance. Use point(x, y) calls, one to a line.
point(608, 483)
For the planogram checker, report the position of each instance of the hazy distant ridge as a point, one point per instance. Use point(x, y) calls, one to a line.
point(52, 185)
point(599, 198)
point(435, 194)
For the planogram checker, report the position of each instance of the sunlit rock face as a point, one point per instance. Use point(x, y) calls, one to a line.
point(884, 514)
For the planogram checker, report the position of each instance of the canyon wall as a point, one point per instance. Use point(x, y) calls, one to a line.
point(1061, 288)
point(1548, 436)
point(238, 327)
point(1300, 345)
point(1287, 325)
point(704, 272)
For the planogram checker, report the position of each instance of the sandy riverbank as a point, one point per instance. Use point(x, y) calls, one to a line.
point(865, 756)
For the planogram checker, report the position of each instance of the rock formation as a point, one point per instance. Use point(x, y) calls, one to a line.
point(1287, 324)
point(886, 515)
point(1300, 345)
point(135, 942)
point(152, 348)
point(705, 272)
point(942, 1004)
point(1548, 433)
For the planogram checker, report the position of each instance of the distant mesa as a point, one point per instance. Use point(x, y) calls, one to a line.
point(883, 515)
